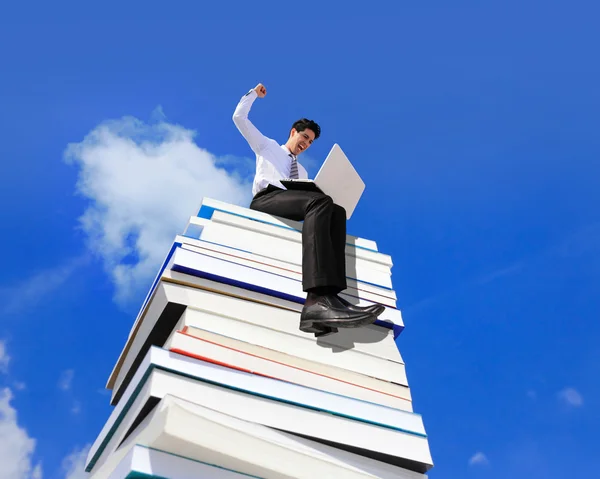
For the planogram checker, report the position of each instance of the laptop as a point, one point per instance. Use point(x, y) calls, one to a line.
point(336, 178)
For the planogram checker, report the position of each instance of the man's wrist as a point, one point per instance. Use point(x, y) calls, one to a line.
point(252, 91)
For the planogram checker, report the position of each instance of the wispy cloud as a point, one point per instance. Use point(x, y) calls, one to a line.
point(76, 408)
point(4, 357)
point(479, 459)
point(578, 243)
point(37, 472)
point(571, 397)
point(66, 380)
point(16, 447)
point(499, 273)
point(531, 394)
point(466, 285)
point(73, 465)
point(27, 294)
point(143, 182)
point(65, 383)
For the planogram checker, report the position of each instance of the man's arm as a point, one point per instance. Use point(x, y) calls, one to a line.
point(255, 138)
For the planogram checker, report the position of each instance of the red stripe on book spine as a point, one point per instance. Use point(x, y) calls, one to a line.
point(219, 363)
point(185, 333)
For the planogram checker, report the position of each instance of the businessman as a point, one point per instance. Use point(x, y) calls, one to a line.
point(324, 230)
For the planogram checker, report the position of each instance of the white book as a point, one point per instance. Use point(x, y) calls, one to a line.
point(389, 315)
point(286, 255)
point(358, 267)
point(289, 270)
point(303, 347)
point(288, 392)
point(354, 288)
point(390, 319)
point(201, 442)
point(399, 396)
point(209, 267)
point(209, 207)
point(248, 318)
point(290, 235)
point(147, 461)
point(165, 373)
point(192, 345)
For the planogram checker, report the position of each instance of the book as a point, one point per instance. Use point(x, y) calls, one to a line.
point(390, 314)
point(301, 346)
point(209, 207)
point(355, 288)
point(229, 272)
point(391, 318)
point(399, 395)
point(182, 440)
point(264, 263)
point(149, 462)
point(248, 319)
point(357, 267)
point(214, 350)
point(165, 373)
point(263, 229)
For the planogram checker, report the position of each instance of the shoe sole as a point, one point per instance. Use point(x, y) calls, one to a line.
point(339, 323)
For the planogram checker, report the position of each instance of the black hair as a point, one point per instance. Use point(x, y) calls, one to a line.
point(304, 124)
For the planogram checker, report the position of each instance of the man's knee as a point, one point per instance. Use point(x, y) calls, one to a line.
point(339, 211)
point(321, 201)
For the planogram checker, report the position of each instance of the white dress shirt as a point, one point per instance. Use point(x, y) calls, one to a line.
point(273, 161)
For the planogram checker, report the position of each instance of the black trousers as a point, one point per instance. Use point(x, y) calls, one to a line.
point(323, 233)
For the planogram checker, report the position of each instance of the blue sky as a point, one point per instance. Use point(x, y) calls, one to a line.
point(474, 125)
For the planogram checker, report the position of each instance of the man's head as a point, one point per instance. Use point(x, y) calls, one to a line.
point(302, 135)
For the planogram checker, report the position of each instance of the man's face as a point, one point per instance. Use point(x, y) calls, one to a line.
point(300, 140)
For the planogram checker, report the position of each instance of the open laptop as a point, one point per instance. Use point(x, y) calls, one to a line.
point(336, 178)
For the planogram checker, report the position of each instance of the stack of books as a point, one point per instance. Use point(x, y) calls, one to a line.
point(216, 380)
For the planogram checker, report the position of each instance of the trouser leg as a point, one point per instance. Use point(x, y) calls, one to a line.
point(321, 234)
point(338, 239)
point(323, 258)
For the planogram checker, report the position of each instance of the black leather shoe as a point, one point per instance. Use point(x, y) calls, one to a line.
point(374, 309)
point(328, 311)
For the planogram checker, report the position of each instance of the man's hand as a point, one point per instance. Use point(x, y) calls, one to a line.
point(261, 91)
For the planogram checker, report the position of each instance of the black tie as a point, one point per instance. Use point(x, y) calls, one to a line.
point(294, 168)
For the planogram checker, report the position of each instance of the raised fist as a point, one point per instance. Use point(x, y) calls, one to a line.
point(261, 91)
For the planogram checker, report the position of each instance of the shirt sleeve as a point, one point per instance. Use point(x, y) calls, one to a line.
point(255, 138)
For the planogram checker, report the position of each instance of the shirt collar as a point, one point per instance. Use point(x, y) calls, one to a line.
point(287, 150)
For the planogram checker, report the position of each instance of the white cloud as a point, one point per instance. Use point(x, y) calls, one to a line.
point(571, 396)
point(66, 380)
point(76, 408)
point(144, 181)
point(74, 464)
point(479, 458)
point(19, 385)
point(37, 472)
point(32, 290)
point(16, 447)
point(4, 357)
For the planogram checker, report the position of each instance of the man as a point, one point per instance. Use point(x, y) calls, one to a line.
point(324, 230)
